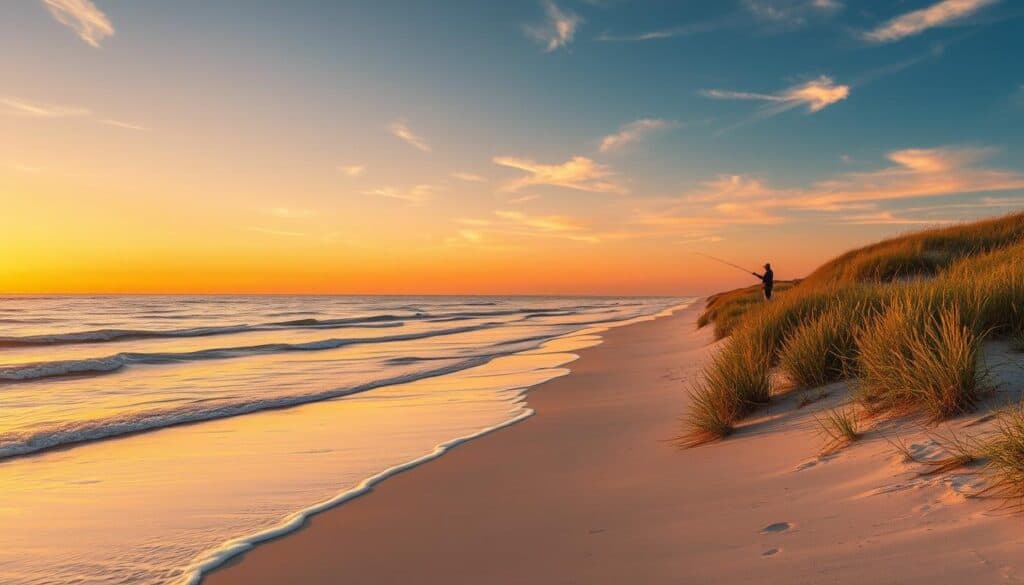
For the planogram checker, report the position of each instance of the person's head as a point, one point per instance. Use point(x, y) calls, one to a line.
point(767, 265)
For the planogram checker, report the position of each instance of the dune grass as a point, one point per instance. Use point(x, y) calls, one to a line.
point(919, 356)
point(906, 317)
point(840, 427)
point(726, 310)
point(736, 380)
point(821, 351)
point(1004, 452)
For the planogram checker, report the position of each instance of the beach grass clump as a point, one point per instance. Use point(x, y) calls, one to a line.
point(918, 355)
point(736, 380)
point(840, 427)
point(820, 352)
point(768, 327)
point(1004, 451)
point(711, 416)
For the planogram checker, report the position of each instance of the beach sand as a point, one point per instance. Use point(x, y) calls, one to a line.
point(591, 490)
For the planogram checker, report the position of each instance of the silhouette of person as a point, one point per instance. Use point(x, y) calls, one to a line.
point(767, 280)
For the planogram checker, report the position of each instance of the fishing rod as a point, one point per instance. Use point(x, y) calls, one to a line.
point(726, 262)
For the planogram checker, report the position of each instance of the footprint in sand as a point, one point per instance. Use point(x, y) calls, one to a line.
point(771, 552)
point(777, 528)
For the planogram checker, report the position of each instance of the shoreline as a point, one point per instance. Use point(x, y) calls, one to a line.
point(233, 551)
point(593, 491)
point(239, 553)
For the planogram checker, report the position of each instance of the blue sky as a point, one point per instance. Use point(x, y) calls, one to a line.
point(489, 132)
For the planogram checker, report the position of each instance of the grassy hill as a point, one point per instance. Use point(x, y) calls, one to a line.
point(904, 317)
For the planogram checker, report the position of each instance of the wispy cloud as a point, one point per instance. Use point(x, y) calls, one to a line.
point(917, 172)
point(676, 216)
point(579, 172)
point(13, 106)
point(353, 170)
point(888, 218)
point(791, 14)
point(22, 108)
point(471, 235)
point(698, 239)
point(289, 212)
point(83, 17)
point(915, 22)
point(633, 132)
point(401, 130)
point(524, 198)
point(852, 197)
point(416, 194)
point(125, 125)
point(558, 28)
point(547, 223)
point(765, 14)
point(469, 177)
point(729, 188)
point(816, 94)
point(730, 21)
point(518, 223)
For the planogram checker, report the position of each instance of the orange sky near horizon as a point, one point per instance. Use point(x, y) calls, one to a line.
point(331, 148)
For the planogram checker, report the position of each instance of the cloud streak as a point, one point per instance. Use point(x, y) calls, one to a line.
point(918, 21)
point(816, 95)
point(399, 129)
point(557, 30)
point(685, 30)
point(633, 132)
point(82, 16)
point(353, 170)
point(468, 177)
point(13, 106)
point(790, 14)
point(125, 125)
point(416, 194)
point(517, 223)
point(22, 108)
point(859, 197)
point(773, 14)
point(917, 172)
point(579, 173)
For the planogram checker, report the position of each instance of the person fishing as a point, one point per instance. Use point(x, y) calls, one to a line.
point(767, 280)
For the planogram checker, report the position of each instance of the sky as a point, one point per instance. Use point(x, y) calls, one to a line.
point(470, 147)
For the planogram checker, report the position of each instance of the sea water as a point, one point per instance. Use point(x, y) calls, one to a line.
point(144, 439)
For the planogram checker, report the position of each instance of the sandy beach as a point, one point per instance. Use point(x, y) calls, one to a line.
point(512, 293)
point(590, 490)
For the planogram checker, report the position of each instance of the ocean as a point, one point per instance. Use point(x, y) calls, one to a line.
point(144, 439)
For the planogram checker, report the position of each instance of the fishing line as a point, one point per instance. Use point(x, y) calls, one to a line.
point(726, 262)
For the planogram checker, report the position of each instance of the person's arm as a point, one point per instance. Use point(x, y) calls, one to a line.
point(757, 275)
